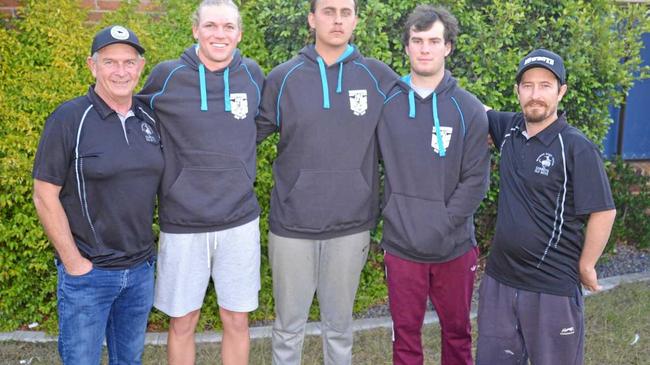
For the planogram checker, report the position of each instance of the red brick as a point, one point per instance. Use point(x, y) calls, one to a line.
point(148, 6)
point(9, 3)
point(95, 16)
point(7, 13)
point(108, 4)
point(89, 4)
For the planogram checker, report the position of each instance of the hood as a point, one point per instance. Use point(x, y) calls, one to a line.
point(309, 53)
point(446, 87)
point(191, 59)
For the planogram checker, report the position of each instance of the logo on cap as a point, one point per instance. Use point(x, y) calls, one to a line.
point(119, 32)
point(547, 60)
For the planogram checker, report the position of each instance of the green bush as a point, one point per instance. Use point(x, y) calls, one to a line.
point(42, 64)
point(631, 190)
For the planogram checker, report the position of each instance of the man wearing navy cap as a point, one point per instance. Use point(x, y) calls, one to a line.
point(96, 173)
point(554, 218)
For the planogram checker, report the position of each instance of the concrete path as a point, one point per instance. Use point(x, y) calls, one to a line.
point(313, 328)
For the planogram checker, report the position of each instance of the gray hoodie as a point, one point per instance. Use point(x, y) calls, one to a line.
point(208, 133)
point(326, 171)
point(437, 164)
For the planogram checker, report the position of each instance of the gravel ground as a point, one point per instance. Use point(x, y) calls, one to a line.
point(624, 260)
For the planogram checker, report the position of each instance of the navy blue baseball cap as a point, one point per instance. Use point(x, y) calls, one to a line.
point(546, 59)
point(115, 34)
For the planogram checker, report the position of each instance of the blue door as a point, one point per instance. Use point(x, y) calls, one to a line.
point(634, 123)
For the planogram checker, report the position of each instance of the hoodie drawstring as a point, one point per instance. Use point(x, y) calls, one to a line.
point(226, 89)
point(204, 94)
point(323, 76)
point(323, 81)
point(348, 51)
point(436, 122)
point(411, 104)
point(339, 85)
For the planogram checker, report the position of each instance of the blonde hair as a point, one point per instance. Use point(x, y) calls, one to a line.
point(196, 16)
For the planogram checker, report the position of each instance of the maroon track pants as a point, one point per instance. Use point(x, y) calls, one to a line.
point(449, 285)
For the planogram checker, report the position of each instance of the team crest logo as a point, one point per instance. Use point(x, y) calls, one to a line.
point(445, 133)
point(358, 101)
point(544, 162)
point(239, 105)
point(149, 134)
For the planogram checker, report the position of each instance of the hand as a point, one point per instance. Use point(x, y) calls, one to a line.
point(589, 279)
point(78, 267)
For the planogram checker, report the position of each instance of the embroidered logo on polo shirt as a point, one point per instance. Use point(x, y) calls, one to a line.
point(149, 135)
point(358, 101)
point(544, 162)
point(239, 105)
point(445, 133)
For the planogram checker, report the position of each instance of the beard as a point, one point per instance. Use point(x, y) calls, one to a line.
point(539, 114)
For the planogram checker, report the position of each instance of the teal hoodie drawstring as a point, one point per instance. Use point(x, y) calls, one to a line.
point(340, 81)
point(434, 111)
point(348, 51)
point(323, 81)
point(204, 94)
point(436, 122)
point(226, 89)
point(407, 80)
point(323, 76)
point(411, 104)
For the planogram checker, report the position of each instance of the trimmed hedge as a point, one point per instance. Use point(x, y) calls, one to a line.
point(43, 56)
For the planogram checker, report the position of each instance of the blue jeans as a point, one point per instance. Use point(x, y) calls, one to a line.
point(111, 303)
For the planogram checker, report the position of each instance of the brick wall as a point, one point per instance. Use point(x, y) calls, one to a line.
point(96, 8)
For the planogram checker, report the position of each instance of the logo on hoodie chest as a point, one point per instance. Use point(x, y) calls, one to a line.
point(445, 133)
point(358, 101)
point(239, 105)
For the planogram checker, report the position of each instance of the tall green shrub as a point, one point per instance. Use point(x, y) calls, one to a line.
point(42, 63)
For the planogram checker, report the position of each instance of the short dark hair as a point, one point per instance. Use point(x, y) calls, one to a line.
point(423, 17)
point(312, 6)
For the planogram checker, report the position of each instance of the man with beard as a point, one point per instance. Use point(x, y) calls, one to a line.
point(436, 159)
point(552, 184)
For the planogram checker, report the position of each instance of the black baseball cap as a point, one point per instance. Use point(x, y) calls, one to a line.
point(546, 59)
point(115, 34)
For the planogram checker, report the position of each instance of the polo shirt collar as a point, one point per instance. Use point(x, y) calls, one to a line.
point(100, 105)
point(549, 133)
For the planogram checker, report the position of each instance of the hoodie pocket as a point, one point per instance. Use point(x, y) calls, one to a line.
point(208, 196)
point(419, 226)
point(327, 200)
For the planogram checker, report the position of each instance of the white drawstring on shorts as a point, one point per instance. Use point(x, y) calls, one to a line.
point(207, 246)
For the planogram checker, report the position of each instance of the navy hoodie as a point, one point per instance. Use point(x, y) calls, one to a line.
point(208, 133)
point(437, 164)
point(326, 171)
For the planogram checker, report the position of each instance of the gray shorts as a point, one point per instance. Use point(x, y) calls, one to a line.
point(515, 325)
point(186, 262)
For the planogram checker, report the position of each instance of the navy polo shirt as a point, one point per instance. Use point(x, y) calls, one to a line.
point(549, 184)
point(109, 172)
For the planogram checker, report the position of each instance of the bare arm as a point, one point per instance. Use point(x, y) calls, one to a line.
point(54, 220)
point(599, 226)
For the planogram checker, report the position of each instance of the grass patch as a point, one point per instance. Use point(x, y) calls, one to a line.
point(613, 320)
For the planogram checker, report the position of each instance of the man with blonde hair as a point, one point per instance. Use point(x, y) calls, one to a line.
point(209, 215)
